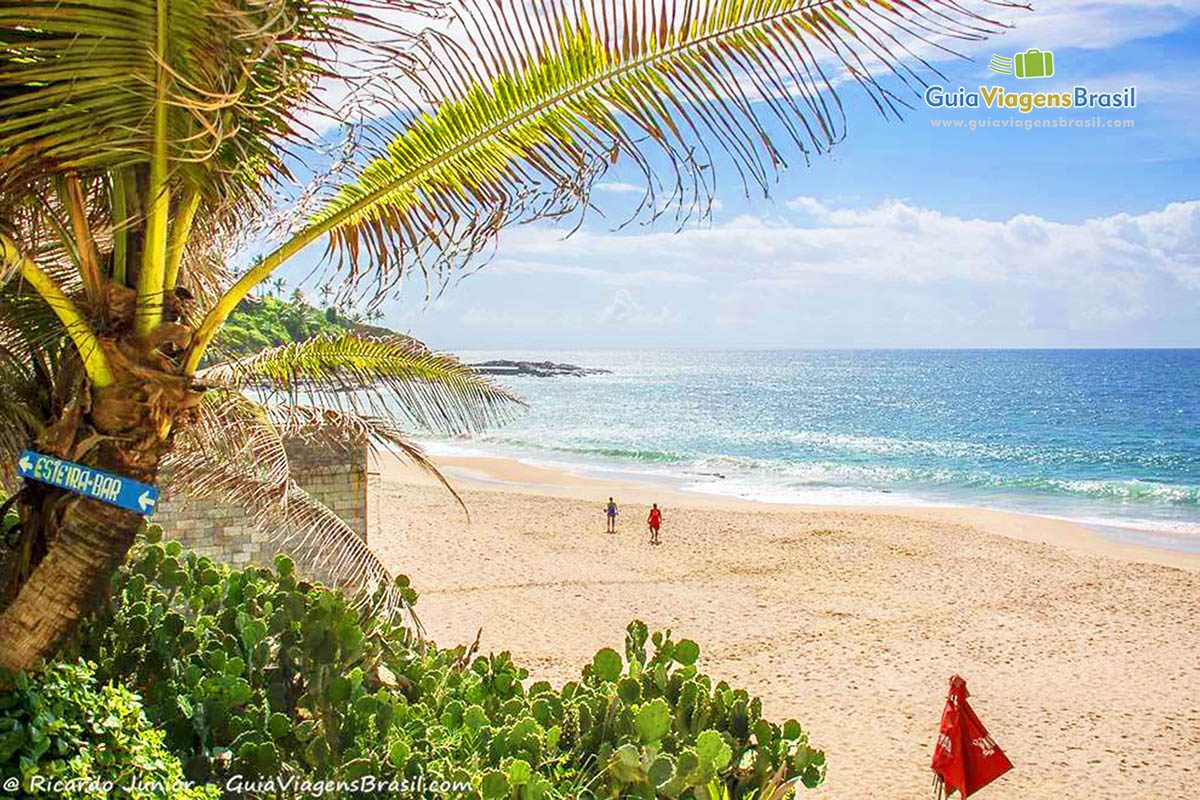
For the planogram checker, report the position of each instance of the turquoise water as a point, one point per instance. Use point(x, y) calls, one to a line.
point(1110, 438)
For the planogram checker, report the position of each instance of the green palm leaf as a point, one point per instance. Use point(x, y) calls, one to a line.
point(33, 345)
point(541, 102)
point(76, 79)
point(394, 376)
point(80, 81)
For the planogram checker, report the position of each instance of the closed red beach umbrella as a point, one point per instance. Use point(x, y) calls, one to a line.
point(965, 758)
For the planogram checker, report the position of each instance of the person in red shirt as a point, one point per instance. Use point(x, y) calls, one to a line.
point(654, 521)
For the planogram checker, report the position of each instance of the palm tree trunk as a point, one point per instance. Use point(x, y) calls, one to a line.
point(124, 428)
point(91, 541)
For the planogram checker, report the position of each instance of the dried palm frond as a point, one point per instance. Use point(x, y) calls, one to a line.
point(301, 524)
point(237, 453)
point(327, 425)
point(237, 432)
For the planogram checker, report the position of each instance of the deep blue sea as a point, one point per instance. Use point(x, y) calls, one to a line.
point(1110, 438)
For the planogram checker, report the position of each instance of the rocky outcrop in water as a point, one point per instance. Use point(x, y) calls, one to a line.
point(538, 369)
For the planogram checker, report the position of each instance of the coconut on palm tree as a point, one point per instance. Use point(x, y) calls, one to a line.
point(142, 141)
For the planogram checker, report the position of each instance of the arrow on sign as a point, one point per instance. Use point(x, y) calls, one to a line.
point(146, 501)
point(25, 464)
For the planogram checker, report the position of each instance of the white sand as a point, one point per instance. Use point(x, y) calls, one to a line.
point(1082, 655)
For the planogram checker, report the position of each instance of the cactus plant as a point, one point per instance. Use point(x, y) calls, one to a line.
point(259, 673)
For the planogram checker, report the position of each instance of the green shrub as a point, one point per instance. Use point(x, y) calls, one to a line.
point(62, 735)
point(256, 673)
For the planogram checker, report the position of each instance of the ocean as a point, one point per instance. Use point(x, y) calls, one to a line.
point(1108, 438)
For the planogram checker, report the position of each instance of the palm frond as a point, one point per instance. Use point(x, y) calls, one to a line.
point(394, 376)
point(324, 425)
point(27, 322)
point(75, 79)
point(237, 432)
point(37, 220)
point(237, 454)
point(33, 345)
point(80, 79)
point(521, 121)
point(22, 416)
point(252, 438)
point(299, 523)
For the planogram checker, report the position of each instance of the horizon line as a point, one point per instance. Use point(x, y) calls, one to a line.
point(560, 348)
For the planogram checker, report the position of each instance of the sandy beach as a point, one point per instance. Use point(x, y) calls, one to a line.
point(1081, 654)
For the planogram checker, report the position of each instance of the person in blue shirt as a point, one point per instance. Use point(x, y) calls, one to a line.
point(611, 512)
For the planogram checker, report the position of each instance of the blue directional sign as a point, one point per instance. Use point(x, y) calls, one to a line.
point(89, 482)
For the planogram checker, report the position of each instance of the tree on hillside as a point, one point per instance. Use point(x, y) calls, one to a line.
point(142, 140)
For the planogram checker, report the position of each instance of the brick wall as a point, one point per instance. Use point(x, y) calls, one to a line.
point(335, 474)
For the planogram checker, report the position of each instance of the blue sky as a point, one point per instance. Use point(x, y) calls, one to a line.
point(905, 235)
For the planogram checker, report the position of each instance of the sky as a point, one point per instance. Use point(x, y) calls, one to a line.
point(906, 234)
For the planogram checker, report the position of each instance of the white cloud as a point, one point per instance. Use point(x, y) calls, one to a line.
point(508, 319)
point(897, 241)
point(896, 258)
point(1089, 24)
point(624, 310)
point(810, 205)
point(620, 188)
point(607, 277)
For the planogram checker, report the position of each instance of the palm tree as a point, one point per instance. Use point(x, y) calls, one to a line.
point(141, 140)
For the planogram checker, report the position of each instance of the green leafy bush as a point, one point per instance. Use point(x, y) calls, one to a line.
point(62, 735)
point(254, 672)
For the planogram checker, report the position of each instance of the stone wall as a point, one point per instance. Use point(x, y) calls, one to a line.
point(334, 474)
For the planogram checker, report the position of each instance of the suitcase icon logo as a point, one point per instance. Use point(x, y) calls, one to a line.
point(1033, 63)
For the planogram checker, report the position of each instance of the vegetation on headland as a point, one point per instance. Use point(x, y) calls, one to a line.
point(256, 676)
point(258, 323)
